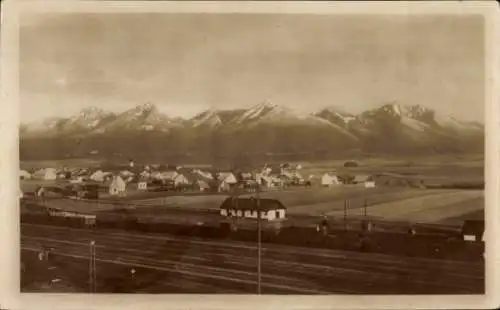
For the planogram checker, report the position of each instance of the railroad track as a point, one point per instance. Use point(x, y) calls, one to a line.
point(220, 266)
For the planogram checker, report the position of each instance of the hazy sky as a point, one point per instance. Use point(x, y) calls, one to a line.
point(186, 63)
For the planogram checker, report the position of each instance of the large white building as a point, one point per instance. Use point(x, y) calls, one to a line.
point(270, 209)
point(24, 175)
point(45, 174)
point(328, 180)
point(117, 186)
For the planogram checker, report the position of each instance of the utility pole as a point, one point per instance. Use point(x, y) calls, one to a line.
point(92, 268)
point(345, 215)
point(258, 241)
point(364, 208)
point(235, 195)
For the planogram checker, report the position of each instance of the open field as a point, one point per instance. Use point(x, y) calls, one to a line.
point(418, 205)
point(427, 208)
point(369, 160)
point(167, 264)
point(406, 205)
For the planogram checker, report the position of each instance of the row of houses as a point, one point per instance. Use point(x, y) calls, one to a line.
point(330, 179)
point(195, 179)
point(225, 180)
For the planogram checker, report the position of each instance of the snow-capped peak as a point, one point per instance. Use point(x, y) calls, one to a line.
point(336, 115)
point(393, 109)
point(258, 110)
point(144, 108)
point(90, 113)
point(208, 117)
point(87, 118)
point(419, 112)
point(336, 110)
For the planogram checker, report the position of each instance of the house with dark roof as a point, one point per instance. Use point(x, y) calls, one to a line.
point(473, 230)
point(270, 209)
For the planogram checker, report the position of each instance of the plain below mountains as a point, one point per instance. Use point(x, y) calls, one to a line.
point(263, 130)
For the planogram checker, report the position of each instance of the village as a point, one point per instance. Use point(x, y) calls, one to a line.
point(134, 179)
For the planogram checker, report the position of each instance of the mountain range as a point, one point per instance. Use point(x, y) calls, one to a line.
point(265, 129)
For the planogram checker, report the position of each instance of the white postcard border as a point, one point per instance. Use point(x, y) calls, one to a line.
point(10, 298)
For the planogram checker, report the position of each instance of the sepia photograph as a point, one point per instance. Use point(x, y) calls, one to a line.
point(252, 152)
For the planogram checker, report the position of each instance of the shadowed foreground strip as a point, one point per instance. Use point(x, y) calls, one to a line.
point(168, 264)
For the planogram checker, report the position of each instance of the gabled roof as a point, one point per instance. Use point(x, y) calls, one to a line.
point(45, 170)
point(117, 181)
point(203, 184)
point(169, 174)
point(24, 172)
point(227, 176)
point(195, 177)
point(185, 171)
point(362, 178)
point(240, 203)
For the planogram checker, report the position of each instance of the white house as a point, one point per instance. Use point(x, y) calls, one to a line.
point(176, 177)
point(24, 175)
point(202, 185)
point(204, 174)
point(270, 209)
point(46, 174)
point(366, 180)
point(264, 180)
point(223, 187)
point(117, 186)
point(227, 180)
point(98, 176)
point(228, 177)
point(180, 179)
point(328, 180)
point(276, 181)
point(142, 185)
point(370, 184)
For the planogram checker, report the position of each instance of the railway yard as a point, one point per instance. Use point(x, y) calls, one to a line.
point(172, 264)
